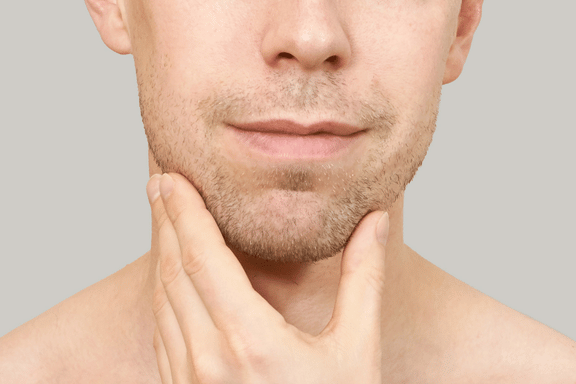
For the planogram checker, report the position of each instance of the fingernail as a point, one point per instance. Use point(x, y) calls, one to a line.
point(153, 188)
point(382, 228)
point(166, 185)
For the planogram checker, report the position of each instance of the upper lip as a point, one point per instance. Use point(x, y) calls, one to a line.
point(293, 128)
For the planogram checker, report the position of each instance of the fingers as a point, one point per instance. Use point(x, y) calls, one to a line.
point(173, 354)
point(358, 305)
point(171, 349)
point(162, 358)
point(180, 313)
point(153, 192)
point(214, 270)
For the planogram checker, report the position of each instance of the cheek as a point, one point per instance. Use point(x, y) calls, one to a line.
point(406, 48)
point(178, 42)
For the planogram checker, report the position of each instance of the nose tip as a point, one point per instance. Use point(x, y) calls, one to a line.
point(313, 38)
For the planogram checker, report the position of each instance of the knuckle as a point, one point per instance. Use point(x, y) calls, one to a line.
point(375, 278)
point(161, 218)
point(177, 213)
point(209, 369)
point(194, 262)
point(170, 269)
point(247, 352)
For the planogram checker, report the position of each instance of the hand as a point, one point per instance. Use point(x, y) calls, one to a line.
point(214, 328)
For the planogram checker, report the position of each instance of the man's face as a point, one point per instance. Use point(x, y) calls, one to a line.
point(206, 65)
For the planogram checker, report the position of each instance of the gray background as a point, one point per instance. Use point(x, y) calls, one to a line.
point(492, 205)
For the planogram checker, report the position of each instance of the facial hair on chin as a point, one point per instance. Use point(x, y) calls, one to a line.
point(284, 214)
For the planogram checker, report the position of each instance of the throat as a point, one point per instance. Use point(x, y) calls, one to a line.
point(304, 293)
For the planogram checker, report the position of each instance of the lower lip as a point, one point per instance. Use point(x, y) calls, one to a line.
point(295, 147)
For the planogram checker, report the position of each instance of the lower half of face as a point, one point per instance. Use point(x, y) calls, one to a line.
point(286, 210)
point(196, 84)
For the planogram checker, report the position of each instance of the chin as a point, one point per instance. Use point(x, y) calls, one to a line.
point(292, 250)
point(284, 238)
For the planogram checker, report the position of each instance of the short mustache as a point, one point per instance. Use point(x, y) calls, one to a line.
point(244, 102)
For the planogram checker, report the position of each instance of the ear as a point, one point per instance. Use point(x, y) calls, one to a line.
point(109, 20)
point(468, 20)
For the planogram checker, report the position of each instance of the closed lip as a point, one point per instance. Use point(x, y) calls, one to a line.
point(293, 128)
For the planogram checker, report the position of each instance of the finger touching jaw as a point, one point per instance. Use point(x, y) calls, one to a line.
point(187, 211)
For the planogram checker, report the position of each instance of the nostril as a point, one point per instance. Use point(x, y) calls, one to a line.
point(332, 59)
point(285, 55)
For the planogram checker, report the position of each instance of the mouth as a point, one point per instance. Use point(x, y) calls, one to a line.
point(283, 140)
point(292, 128)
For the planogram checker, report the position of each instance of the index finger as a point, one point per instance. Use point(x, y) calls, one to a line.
point(213, 268)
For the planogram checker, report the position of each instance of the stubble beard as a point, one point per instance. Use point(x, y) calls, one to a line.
point(292, 214)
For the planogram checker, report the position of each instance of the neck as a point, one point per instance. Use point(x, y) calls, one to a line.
point(305, 293)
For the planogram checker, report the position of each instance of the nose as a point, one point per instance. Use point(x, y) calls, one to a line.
point(307, 33)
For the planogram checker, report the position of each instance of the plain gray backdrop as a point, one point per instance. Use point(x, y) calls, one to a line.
point(493, 204)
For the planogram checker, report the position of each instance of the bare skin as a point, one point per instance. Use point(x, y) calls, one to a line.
point(437, 329)
point(386, 63)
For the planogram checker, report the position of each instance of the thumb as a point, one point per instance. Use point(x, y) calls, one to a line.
point(369, 237)
point(358, 307)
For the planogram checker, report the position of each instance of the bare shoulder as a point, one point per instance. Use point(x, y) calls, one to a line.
point(85, 337)
point(26, 354)
point(501, 345)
